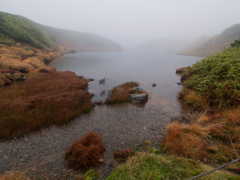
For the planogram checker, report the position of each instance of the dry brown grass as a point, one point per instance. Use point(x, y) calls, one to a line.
point(194, 99)
point(11, 175)
point(85, 152)
point(25, 59)
point(49, 98)
point(120, 93)
point(214, 135)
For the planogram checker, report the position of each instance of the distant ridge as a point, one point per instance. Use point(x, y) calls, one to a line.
point(15, 28)
point(163, 45)
point(208, 46)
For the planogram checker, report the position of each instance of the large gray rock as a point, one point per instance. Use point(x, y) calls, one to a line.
point(138, 98)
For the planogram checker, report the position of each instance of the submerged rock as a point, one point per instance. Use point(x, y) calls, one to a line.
point(72, 51)
point(90, 79)
point(154, 84)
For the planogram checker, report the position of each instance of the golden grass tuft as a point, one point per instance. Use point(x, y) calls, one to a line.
point(120, 93)
point(215, 135)
point(193, 98)
point(185, 144)
point(49, 98)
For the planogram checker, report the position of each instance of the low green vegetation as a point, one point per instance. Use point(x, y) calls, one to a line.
point(151, 166)
point(91, 175)
point(216, 79)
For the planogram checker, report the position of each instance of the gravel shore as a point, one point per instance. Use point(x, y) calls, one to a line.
point(41, 154)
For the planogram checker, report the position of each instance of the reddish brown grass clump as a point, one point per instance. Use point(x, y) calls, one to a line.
point(50, 98)
point(120, 93)
point(85, 152)
point(123, 153)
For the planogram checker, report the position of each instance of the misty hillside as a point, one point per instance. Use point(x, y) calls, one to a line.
point(208, 46)
point(15, 28)
point(163, 45)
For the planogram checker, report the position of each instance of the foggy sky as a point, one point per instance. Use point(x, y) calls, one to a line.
point(130, 22)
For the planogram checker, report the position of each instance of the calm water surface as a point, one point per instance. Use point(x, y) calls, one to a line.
point(120, 67)
point(121, 126)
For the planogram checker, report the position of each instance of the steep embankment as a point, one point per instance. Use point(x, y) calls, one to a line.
point(208, 46)
point(26, 46)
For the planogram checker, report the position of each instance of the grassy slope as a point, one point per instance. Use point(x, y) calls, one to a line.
point(216, 78)
point(151, 166)
point(213, 45)
point(212, 86)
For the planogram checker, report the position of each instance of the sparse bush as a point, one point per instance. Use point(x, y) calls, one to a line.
point(85, 152)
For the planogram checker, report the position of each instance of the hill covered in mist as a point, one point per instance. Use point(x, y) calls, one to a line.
point(163, 45)
point(27, 47)
point(15, 28)
point(207, 46)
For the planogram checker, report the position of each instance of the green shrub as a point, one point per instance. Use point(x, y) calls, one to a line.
point(216, 78)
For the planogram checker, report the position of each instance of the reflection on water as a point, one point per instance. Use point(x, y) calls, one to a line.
point(109, 69)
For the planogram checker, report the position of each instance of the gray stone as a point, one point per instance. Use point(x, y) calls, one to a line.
point(138, 98)
point(137, 89)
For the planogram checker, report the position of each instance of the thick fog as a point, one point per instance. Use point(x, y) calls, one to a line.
point(130, 22)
